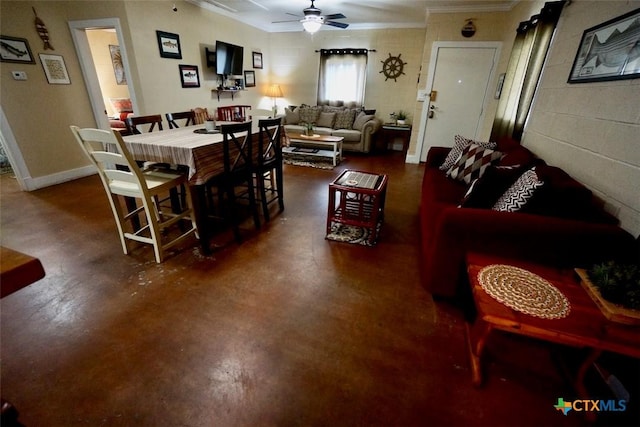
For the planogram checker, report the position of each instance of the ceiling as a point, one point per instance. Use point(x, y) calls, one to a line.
point(362, 14)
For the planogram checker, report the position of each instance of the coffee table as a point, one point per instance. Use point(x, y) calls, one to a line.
point(314, 146)
point(584, 327)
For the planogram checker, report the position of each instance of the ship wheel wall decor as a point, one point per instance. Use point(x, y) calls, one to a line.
point(392, 67)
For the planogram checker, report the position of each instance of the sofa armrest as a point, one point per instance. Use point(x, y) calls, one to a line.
point(546, 240)
point(369, 128)
point(436, 156)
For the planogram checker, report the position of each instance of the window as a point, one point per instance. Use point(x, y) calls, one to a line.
point(343, 74)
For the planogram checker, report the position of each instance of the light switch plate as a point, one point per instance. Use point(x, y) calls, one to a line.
point(19, 75)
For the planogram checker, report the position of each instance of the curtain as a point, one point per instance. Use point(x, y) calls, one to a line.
point(343, 74)
point(528, 54)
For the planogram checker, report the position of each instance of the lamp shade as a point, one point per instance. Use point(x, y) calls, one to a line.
point(274, 91)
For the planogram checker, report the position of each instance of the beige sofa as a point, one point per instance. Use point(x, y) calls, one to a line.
point(353, 124)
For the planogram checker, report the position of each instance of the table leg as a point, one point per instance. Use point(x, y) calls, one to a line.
point(199, 200)
point(475, 350)
point(581, 389)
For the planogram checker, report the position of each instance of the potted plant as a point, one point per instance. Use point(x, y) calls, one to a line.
point(615, 288)
point(401, 117)
point(308, 129)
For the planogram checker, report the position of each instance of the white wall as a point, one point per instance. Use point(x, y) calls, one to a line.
point(591, 130)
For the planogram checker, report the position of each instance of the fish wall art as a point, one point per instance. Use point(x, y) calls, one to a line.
point(42, 31)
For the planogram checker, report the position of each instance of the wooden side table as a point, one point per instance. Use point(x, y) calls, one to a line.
point(357, 198)
point(389, 132)
point(584, 327)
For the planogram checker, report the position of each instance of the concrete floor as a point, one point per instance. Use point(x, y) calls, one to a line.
point(286, 329)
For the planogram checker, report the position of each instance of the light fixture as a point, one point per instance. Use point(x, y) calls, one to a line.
point(312, 24)
point(275, 92)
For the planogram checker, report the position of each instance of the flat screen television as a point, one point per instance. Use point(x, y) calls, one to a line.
point(228, 58)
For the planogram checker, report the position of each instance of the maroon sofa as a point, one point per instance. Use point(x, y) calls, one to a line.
point(562, 226)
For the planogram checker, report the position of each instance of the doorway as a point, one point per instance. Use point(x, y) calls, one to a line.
point(95, 68)
point(459, 77)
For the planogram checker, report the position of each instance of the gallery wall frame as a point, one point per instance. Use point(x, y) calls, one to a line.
point(55, 69)
point(189, 76)
point(169, 45)
point(249, 79)
point(608, 51)
point(257, 59)
point(15, 49)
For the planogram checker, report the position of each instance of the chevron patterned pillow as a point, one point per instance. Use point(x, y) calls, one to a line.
point(472, 163)
point(460, 143)
point(519, 193)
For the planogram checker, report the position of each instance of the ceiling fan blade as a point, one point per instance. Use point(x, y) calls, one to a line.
point(280, 22)
point(293, 14)
point(336, 24)
point(335, 16)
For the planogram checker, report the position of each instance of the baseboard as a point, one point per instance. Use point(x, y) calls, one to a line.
point(58, 178)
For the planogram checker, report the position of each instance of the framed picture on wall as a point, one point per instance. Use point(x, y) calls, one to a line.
point(249, 79)
point(15, 49)
point(169, 45)
point(609, 51)
point(55, 69)
point(189, 75)
point(118, 67)
point(257, 59)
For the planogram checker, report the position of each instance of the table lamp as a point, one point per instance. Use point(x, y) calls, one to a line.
point(275, 92)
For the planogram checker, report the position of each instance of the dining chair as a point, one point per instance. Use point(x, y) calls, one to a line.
point(122, 178)
point(268, 168)
point(236, 182)
point(172, 117)
point(135, 121)
point(200, 115)
point(234, 113)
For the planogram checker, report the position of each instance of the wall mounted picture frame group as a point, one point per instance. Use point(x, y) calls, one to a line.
point(189, 75)
point(15, 49)
point(257, 59)
point(169, 45)
point(609, 51)
point(249, 79)
point(55, 69)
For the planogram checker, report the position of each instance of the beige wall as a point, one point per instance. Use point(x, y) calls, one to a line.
point(295, 65)
point(592, 130)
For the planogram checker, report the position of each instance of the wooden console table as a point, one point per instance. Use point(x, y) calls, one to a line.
point(584, 327)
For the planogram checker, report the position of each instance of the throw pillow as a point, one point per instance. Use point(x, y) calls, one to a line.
point(309, 114)
point(485, 191)
point(361, 119)
point(460, 143)
point(519, 193)
point(472, 163)
point(344, 119)
point(121, 105)
point(291, 117)
point(326, 120)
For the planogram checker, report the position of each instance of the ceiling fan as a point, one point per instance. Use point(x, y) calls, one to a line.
point(313, 19)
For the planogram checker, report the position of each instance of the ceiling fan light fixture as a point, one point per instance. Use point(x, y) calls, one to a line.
point(311, 25)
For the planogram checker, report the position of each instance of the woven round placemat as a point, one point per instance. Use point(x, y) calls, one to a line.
point(523, 291)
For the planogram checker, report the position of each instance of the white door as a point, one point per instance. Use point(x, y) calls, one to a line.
point(459, 79)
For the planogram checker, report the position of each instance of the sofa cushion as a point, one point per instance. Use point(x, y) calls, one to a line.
point(309, 114)
point(291, 117)
point(519, 193)
point(349, 135)
point(344, 119)
point(361, 119)
point(485, 191)
point(326, 119)
point(460, 143)
point(472, 163)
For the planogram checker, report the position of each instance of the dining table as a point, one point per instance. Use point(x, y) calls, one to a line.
point(200, 151)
